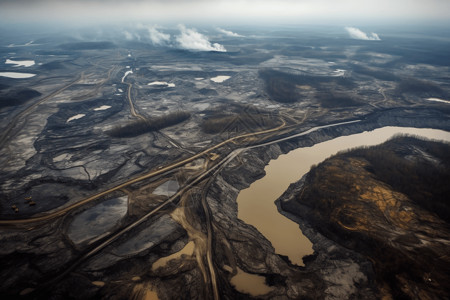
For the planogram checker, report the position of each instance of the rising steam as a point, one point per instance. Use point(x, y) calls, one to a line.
point(190, 39)
point(356, 33)
point(157, 37)
point(229, 33)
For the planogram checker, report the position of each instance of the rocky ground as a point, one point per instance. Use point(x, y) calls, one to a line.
point(56, 151)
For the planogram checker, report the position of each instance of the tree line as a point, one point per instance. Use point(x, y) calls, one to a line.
point(139, 127)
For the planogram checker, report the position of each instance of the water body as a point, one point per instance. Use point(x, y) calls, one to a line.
point(251, 284)
point(256, 203)
point(187, 250)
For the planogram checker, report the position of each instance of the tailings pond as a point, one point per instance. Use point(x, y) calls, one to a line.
point(256, 204)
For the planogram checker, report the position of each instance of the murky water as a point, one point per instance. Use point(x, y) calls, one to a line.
point(187, 250)
point(250, 283)
point(256, 203)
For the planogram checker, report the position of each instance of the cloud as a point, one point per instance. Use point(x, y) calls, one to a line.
point(157, 37)
point(229, 33)
point(190, 39)
point(356, 33)
point(128, 35)
point(261, 11)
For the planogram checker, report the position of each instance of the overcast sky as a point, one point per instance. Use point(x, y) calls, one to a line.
point(231, 11)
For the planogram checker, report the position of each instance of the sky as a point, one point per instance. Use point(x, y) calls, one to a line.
point(227, 11)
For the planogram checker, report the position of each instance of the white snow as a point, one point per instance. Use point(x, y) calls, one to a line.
point(20, 63)
point(438, 100)
point(338, 73)
point(126, 74)
point(76, 117)
point(16, 75)
point(220, 78)
point(162, 83)
point(103, 107)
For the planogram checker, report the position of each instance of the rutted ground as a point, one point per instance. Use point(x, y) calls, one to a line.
point(57, 151)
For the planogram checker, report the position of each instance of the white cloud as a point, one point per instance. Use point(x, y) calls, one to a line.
point(356, 33)
point(229, 33)
point(190, 39)
point(128, 36)
point(131, 36)
point(157, 37)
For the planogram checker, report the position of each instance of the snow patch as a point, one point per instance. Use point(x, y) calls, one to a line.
point(20, 63)
point(16, 75)
point(76, 117)
point(126, 74)
point(220, 78)
point(161, 84)
point(103, 107)
point(438, 100)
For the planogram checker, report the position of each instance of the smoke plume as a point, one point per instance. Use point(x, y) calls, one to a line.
point(190, 39)
point(356, 33)
point(157, 37)
point(229, 33)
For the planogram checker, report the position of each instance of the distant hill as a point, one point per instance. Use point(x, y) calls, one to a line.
point(389, 203)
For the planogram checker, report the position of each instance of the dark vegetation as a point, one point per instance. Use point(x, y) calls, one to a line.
point(282, 87)
point(88, 46)
point(239, 118)
point(423, 181)
point(208, 92)
point(282, 90)
point(143, 126)
point(17, 97)
point(239, 123)
point(335, 100)
point(416, 168)
point(245, 56)
point(374, 72)
point(54, 65)
point(400, 163)
point(419, 87)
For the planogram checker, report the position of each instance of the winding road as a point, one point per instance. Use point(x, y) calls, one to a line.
point(153, 173)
